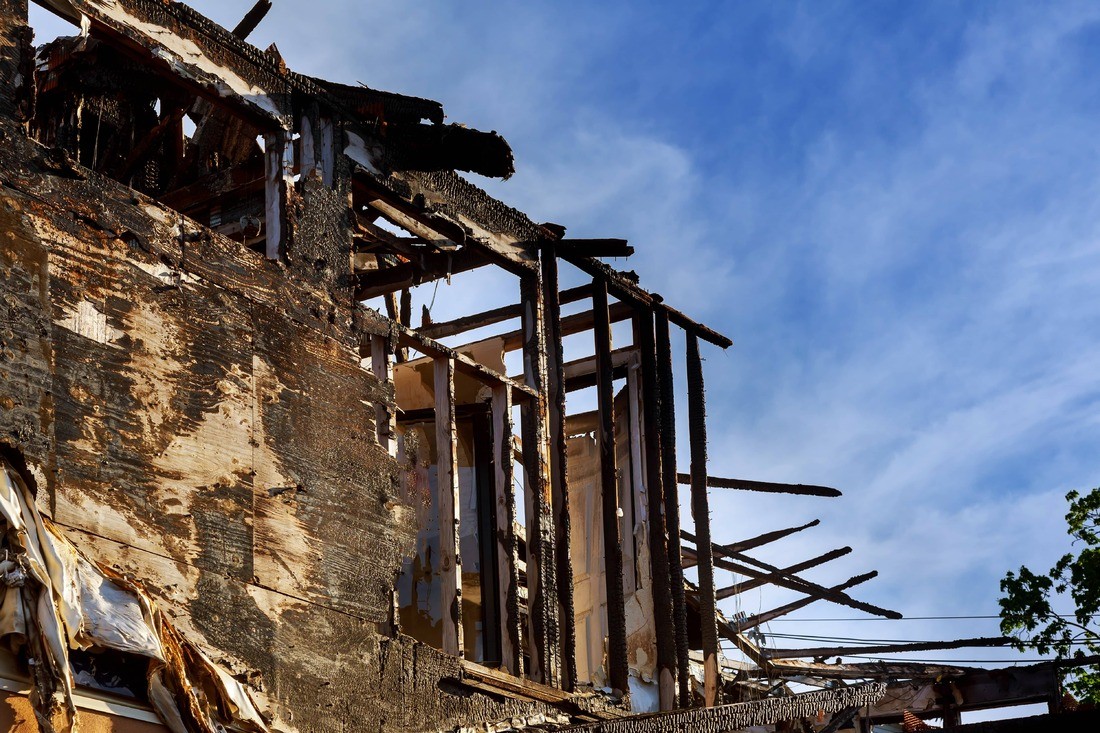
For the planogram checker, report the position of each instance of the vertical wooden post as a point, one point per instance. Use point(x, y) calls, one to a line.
point(655, 500)
point(559, 483)
point(278, 164)
point(381, 361)
point(16, 61)
point(542, 605)
point(618, 670)
point(447, 493)
point(700, 509)
point(511, 655)
point(670, 485)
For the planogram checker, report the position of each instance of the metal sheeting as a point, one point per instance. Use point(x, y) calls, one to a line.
point(52, 599)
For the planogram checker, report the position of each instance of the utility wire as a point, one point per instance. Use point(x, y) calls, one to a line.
point(906, 618)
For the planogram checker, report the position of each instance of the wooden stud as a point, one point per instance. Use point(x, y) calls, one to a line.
point(655, 499)
point(507, 551)
point(617, 662)
point(700, 509)
point(385, 420)
point(542, 607)
point(447, 493)
point(671, 489)
point(559, 485)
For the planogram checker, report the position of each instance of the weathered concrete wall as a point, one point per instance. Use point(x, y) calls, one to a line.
point(197, 418)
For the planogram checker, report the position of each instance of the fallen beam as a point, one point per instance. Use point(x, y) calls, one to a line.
point(792, 583)
point(762, 618)
point(763, 539)
point(771, 577)
point(768, 487)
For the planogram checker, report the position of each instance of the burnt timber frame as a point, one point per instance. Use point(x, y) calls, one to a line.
point(456, 227)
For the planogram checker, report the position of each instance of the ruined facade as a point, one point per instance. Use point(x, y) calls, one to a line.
point(214, 407)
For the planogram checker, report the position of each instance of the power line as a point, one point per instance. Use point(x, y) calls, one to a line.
point(906, 618)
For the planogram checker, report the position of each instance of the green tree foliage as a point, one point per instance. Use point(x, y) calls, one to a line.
point(1026, 611)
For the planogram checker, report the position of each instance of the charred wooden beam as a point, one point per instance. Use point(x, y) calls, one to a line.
point(382, 367)
point(447, 503)
point(507, 554)
point(792, 583)
point(609, 492)
point(700, 509)
point(741, 715)
point(277, 184)
point(252, 19)
point(785, 572)
point(627, 289)
point(766, 616)
point(655, 500)
point(16, 61)
point(917, 646)
point(497, 315)
point(589, 247)
point(559, 484)
point(408, 338)
point(867, 670)
point(569, 325)
point(769, 487)
point(543, 649)
point(586, 366)
point(430, 266)
point(766, 538)
point(667, 390)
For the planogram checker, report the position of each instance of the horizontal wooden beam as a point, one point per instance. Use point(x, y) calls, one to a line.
point(592, 247)
point(497, 315)
point(463, 363)
point(768, 487)
point(626, 289)
point(917, 646)
point(865, 670)
point(428, 267)
point(570, 325)
point(741, 715)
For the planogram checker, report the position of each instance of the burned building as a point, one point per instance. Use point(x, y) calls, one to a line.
point(242, 492)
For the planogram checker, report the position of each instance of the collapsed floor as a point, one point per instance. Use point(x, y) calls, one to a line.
point(213, 393)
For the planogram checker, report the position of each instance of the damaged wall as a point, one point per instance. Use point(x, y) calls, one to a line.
point(199, 421)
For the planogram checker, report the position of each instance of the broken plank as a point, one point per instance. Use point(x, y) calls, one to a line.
point(790, 570)
point(447, 503)
point(496, 315)
point(766, 616)
point(769, 487)
point(793, 583)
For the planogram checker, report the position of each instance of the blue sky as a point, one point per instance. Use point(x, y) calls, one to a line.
point(890, 207)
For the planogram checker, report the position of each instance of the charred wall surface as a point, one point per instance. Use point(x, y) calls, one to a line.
point(198, 419)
